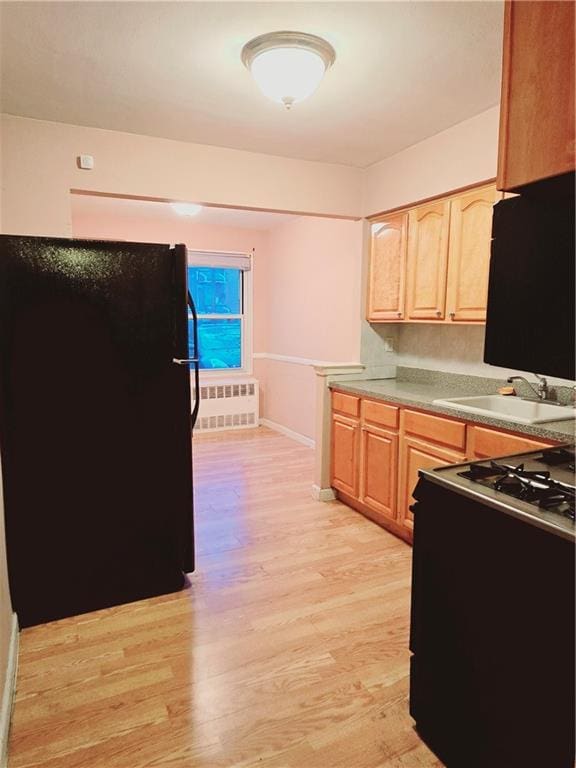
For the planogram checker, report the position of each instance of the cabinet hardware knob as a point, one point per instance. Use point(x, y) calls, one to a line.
point(399, 314)
point(438, 313)
point(452, 315)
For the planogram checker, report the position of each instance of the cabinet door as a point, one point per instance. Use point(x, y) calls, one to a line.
point(469, 254)
point(415, 455)
point(345, 454)
point(387, 269)
point(488, 443)
point(379, 470)
point(537, 106)
point(427, 261)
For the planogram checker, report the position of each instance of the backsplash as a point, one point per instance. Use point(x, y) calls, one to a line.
point(478, 385)
point(455, 349)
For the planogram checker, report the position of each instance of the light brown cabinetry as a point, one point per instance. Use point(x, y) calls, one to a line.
point(365, 455)
point(537, 106)
point(427, 441)
point(345, 454)
point(416, 454)
point(446, 261)
point(428, 229)
point(379, 470)
point(484, 442)
point(378, 449)
point(388, 268)
point(469, 255)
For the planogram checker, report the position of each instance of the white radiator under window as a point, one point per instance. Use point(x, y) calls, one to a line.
point(230, 403)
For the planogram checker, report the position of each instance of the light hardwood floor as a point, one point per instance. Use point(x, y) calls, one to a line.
point(288, 649)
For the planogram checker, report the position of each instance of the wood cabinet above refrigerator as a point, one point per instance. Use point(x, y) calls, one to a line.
point(537, 107)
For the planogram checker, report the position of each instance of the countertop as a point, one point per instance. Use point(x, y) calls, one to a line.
point(418, 389)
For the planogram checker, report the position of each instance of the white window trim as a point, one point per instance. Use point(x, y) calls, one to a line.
point(247, 324)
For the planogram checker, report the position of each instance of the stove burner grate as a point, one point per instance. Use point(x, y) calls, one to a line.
point(531, 486)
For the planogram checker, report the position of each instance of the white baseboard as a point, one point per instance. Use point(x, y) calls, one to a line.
point(322, 494)
point(288, 432)
point(8, 692)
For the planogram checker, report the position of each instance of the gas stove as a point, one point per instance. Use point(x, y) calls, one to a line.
point(538, 486)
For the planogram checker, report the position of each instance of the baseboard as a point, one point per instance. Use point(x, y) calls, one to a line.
point(288, 432)
point(8, 692)
point(323, 494)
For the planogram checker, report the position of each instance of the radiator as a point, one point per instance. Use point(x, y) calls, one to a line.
point(230, 403)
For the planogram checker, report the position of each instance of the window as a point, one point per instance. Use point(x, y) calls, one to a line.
point(219, 293)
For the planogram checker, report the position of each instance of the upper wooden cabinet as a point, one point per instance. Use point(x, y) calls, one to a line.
point(441, 252)
point(469, 254)
point(428, 228)
point(537, 105)
point(388, 268)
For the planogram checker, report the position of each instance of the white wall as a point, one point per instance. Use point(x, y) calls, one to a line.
point(464, 154)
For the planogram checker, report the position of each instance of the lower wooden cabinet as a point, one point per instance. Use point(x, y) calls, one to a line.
point(378, 449)
point(417, 454)
point(345, 454)
point(483, 442)
point(379, 470)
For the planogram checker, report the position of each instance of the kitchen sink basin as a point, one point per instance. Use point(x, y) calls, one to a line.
point(510, 408)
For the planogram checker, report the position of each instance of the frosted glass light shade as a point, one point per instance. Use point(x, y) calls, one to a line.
point(288, 75)
point(288, 66)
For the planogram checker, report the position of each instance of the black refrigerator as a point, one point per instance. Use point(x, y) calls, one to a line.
point(95, 423)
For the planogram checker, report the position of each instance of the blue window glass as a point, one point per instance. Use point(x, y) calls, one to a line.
point(217, 295)
point(219, 343)
point(216, 291)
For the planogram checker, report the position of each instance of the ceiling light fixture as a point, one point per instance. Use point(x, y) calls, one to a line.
point(288, 66)
point(186, 209)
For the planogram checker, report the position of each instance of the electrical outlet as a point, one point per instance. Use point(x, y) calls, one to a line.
point(389, 344)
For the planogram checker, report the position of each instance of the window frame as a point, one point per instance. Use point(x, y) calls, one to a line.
point(246, 297)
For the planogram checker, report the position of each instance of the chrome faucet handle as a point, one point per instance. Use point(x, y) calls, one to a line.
point(542, 386)
point(541, 391)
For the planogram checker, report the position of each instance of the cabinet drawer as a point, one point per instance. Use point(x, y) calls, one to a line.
point(380, 413)
point(486, 443)
point(436, 428)
point(348, 404)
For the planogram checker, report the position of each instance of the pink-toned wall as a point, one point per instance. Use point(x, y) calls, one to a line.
point(209, 237)
point(314, 287)
point(39, 169)
point(314, 304)
point(306, 284)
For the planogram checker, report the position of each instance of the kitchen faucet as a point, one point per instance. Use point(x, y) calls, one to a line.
point(541, 391)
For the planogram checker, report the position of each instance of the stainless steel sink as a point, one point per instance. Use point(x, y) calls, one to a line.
point(510, 408)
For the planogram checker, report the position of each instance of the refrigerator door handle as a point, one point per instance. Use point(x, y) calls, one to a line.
point(195, 361)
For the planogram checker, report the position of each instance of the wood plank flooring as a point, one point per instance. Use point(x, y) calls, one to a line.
point(289, 649)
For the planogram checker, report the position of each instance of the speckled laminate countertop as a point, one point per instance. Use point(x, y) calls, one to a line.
point(419, 389)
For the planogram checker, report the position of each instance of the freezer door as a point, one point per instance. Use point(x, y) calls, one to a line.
point(94, 423)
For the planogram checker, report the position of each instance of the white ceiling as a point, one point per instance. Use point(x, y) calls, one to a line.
point(110, 209)
point(404, 71)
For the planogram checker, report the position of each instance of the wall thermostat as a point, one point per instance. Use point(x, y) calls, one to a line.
point(86, 162)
